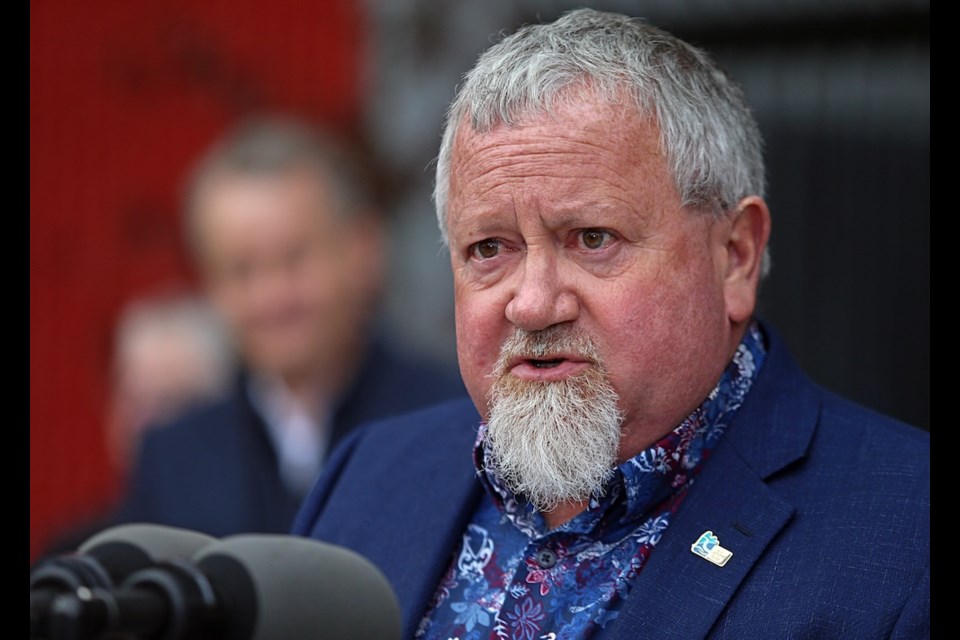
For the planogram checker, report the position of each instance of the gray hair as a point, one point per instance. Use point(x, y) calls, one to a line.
point(711, 140)
point(277, 145)
point(191, 318)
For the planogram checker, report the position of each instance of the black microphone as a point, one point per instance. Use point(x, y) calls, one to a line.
point(245, 587)
point(104, 561)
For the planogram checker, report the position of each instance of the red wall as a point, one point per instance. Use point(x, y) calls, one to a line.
point(123, 95)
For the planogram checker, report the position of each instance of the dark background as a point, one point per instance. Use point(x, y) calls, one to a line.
point(124, 95)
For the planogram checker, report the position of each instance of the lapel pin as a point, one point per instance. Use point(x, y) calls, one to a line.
point(708, 547)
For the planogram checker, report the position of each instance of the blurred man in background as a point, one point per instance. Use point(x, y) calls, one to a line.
point(290, 247)
point(170, 354)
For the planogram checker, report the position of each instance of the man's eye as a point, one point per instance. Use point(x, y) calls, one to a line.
point(594, 238)
point(485, 249)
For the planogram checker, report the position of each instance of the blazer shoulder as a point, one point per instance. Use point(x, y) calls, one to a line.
point(394, 455)
point(842, 418)
point(204, 428)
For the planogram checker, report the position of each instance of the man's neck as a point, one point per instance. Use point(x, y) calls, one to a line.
point(563, 512)
point(283, 394)
point(305, 390)
point(330, 381)
point(568, 510)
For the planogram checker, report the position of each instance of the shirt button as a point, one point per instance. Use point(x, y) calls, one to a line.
point(546, 558)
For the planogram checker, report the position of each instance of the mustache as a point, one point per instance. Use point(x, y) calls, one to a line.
point(558, 339)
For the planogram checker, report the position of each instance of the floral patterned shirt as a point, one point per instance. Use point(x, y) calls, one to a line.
point(514, 578)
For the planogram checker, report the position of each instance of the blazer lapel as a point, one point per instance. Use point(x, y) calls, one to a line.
point(410, 539)
point(680, 595)
point(424, 546)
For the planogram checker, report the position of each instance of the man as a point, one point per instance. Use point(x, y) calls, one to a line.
point(170, 354)
point(289, 247)
point(647, 460)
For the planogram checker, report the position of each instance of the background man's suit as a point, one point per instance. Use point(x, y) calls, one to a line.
point(215, 470)
point(824, 504)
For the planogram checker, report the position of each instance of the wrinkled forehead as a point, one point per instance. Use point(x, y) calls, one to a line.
point(610, 126)
point(577, 141)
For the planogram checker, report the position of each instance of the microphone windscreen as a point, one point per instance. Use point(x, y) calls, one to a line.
point(104, 561)
point(126, 548)
point(279, 587)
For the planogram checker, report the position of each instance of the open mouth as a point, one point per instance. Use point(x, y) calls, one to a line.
point(546, 364)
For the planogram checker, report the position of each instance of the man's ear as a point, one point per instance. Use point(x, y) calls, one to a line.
point(749, 232)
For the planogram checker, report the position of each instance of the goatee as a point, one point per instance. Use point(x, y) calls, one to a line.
point(557, 441)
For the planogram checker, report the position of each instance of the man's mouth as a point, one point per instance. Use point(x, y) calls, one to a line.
point(546, 364)
point(559, 367)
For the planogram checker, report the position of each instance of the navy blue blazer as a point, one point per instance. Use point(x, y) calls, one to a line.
point(824, 504)
point(215, 469)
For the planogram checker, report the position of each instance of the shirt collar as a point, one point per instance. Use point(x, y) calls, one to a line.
point(653, 475)
point(298, 435)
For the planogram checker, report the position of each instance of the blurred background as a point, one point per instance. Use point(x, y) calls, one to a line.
point(124, 96)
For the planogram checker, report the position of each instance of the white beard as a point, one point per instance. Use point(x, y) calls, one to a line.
point(553, 442)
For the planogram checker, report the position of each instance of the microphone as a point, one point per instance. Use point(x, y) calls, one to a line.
point(245, 587)
point(104, 561)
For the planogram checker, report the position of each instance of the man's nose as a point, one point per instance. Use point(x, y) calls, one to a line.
point(543, 296)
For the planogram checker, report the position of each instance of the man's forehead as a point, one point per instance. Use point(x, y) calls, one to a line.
point(586, 125)
point(577, 151)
